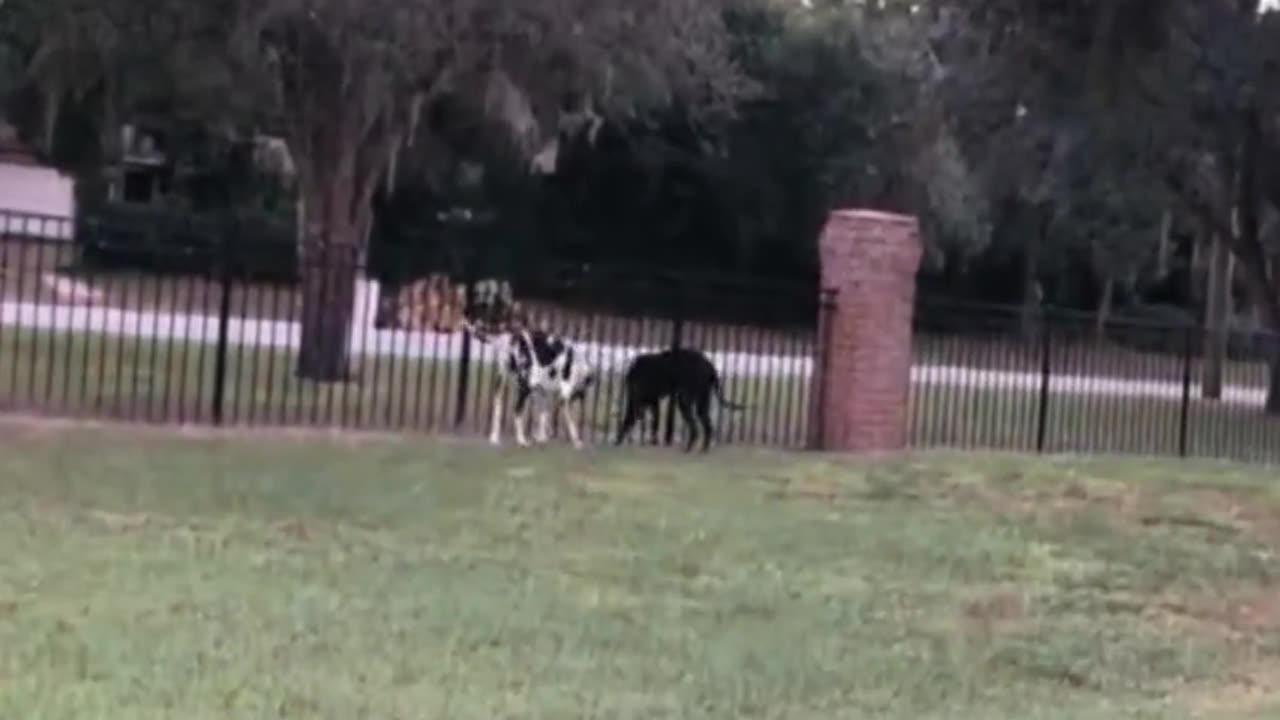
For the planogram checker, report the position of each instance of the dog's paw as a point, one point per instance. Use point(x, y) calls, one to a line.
point(495, 441)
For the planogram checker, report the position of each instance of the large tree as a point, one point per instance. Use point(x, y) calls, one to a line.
point(351, 79)
point(347, 81)
point(1189, 86)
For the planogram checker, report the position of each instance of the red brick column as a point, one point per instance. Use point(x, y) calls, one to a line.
point(870, 259)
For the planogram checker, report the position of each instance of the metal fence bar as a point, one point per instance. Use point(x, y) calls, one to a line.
point(1184, 413)
point(677, 342)
point(219, 392)
point(1046, 376)
point(192, 332)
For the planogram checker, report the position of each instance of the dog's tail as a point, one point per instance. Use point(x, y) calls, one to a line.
point(725, 402)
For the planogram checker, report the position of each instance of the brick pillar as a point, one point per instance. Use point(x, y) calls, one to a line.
point(870, 259)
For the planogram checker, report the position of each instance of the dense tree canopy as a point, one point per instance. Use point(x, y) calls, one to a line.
point(1099, 148)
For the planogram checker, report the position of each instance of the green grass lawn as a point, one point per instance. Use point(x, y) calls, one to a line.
point(153, 575)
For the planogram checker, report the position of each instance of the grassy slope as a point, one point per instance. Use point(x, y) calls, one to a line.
point(150, 575)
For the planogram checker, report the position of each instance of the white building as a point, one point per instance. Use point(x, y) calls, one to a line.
point(36, 201)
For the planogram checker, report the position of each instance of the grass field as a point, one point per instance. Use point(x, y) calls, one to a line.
point(152, 575)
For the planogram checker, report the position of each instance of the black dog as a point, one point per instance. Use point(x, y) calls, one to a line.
point(682, 374)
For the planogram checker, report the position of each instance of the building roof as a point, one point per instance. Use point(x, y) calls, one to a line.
point(12, 150)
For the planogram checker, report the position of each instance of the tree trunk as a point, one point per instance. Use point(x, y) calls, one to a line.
point(328, 277)
point(1273, 385)
point(1104, 309)
point(328, 256)
point(1032, 292)
point(52, 111)
point(1249, 239)
point(1032, 295)
point(1197, 271)
point(1165, 249)
point(1217, 317)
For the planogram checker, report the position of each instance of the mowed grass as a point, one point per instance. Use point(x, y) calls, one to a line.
point(151, 575)
point(143, 379)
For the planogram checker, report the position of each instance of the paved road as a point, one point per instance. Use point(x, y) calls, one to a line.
point(444, 346)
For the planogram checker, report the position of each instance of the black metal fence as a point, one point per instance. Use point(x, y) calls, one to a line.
point(990, 378)
point(200, 338)
point(195, 339)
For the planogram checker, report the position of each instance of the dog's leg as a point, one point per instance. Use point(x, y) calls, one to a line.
point(686, 412)
point(495, 424)
point(704, 414)
point(571, 425)
point(543, 432)
point(655, 416)
point(519, 421)
point(521, 414)
point(630, 413)
point(495, 420)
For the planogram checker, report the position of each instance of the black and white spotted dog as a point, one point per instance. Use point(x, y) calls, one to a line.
point(537, 363)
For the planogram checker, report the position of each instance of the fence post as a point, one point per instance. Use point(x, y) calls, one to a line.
point(224, 331)
point(818, 378)
point(677, 340)
point(1046, 371)
point(464, 360)
point(1184, 415)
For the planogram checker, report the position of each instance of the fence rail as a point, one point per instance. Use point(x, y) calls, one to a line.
point(80, 340)
point(1064, 385)
point(203, 343)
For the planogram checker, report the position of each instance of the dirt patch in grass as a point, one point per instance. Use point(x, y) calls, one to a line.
point(1246, 621)
point(1252, 691)
point(594, 485)
point(122, 522)
point(1013, 495)
point(294, 530)
point(1244, 614)
point(996, 612)
point(1133, 507)
point(1251, 516)
point(805, 488)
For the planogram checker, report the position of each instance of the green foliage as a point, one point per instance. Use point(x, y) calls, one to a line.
point(730, 129)
point(255, 246)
